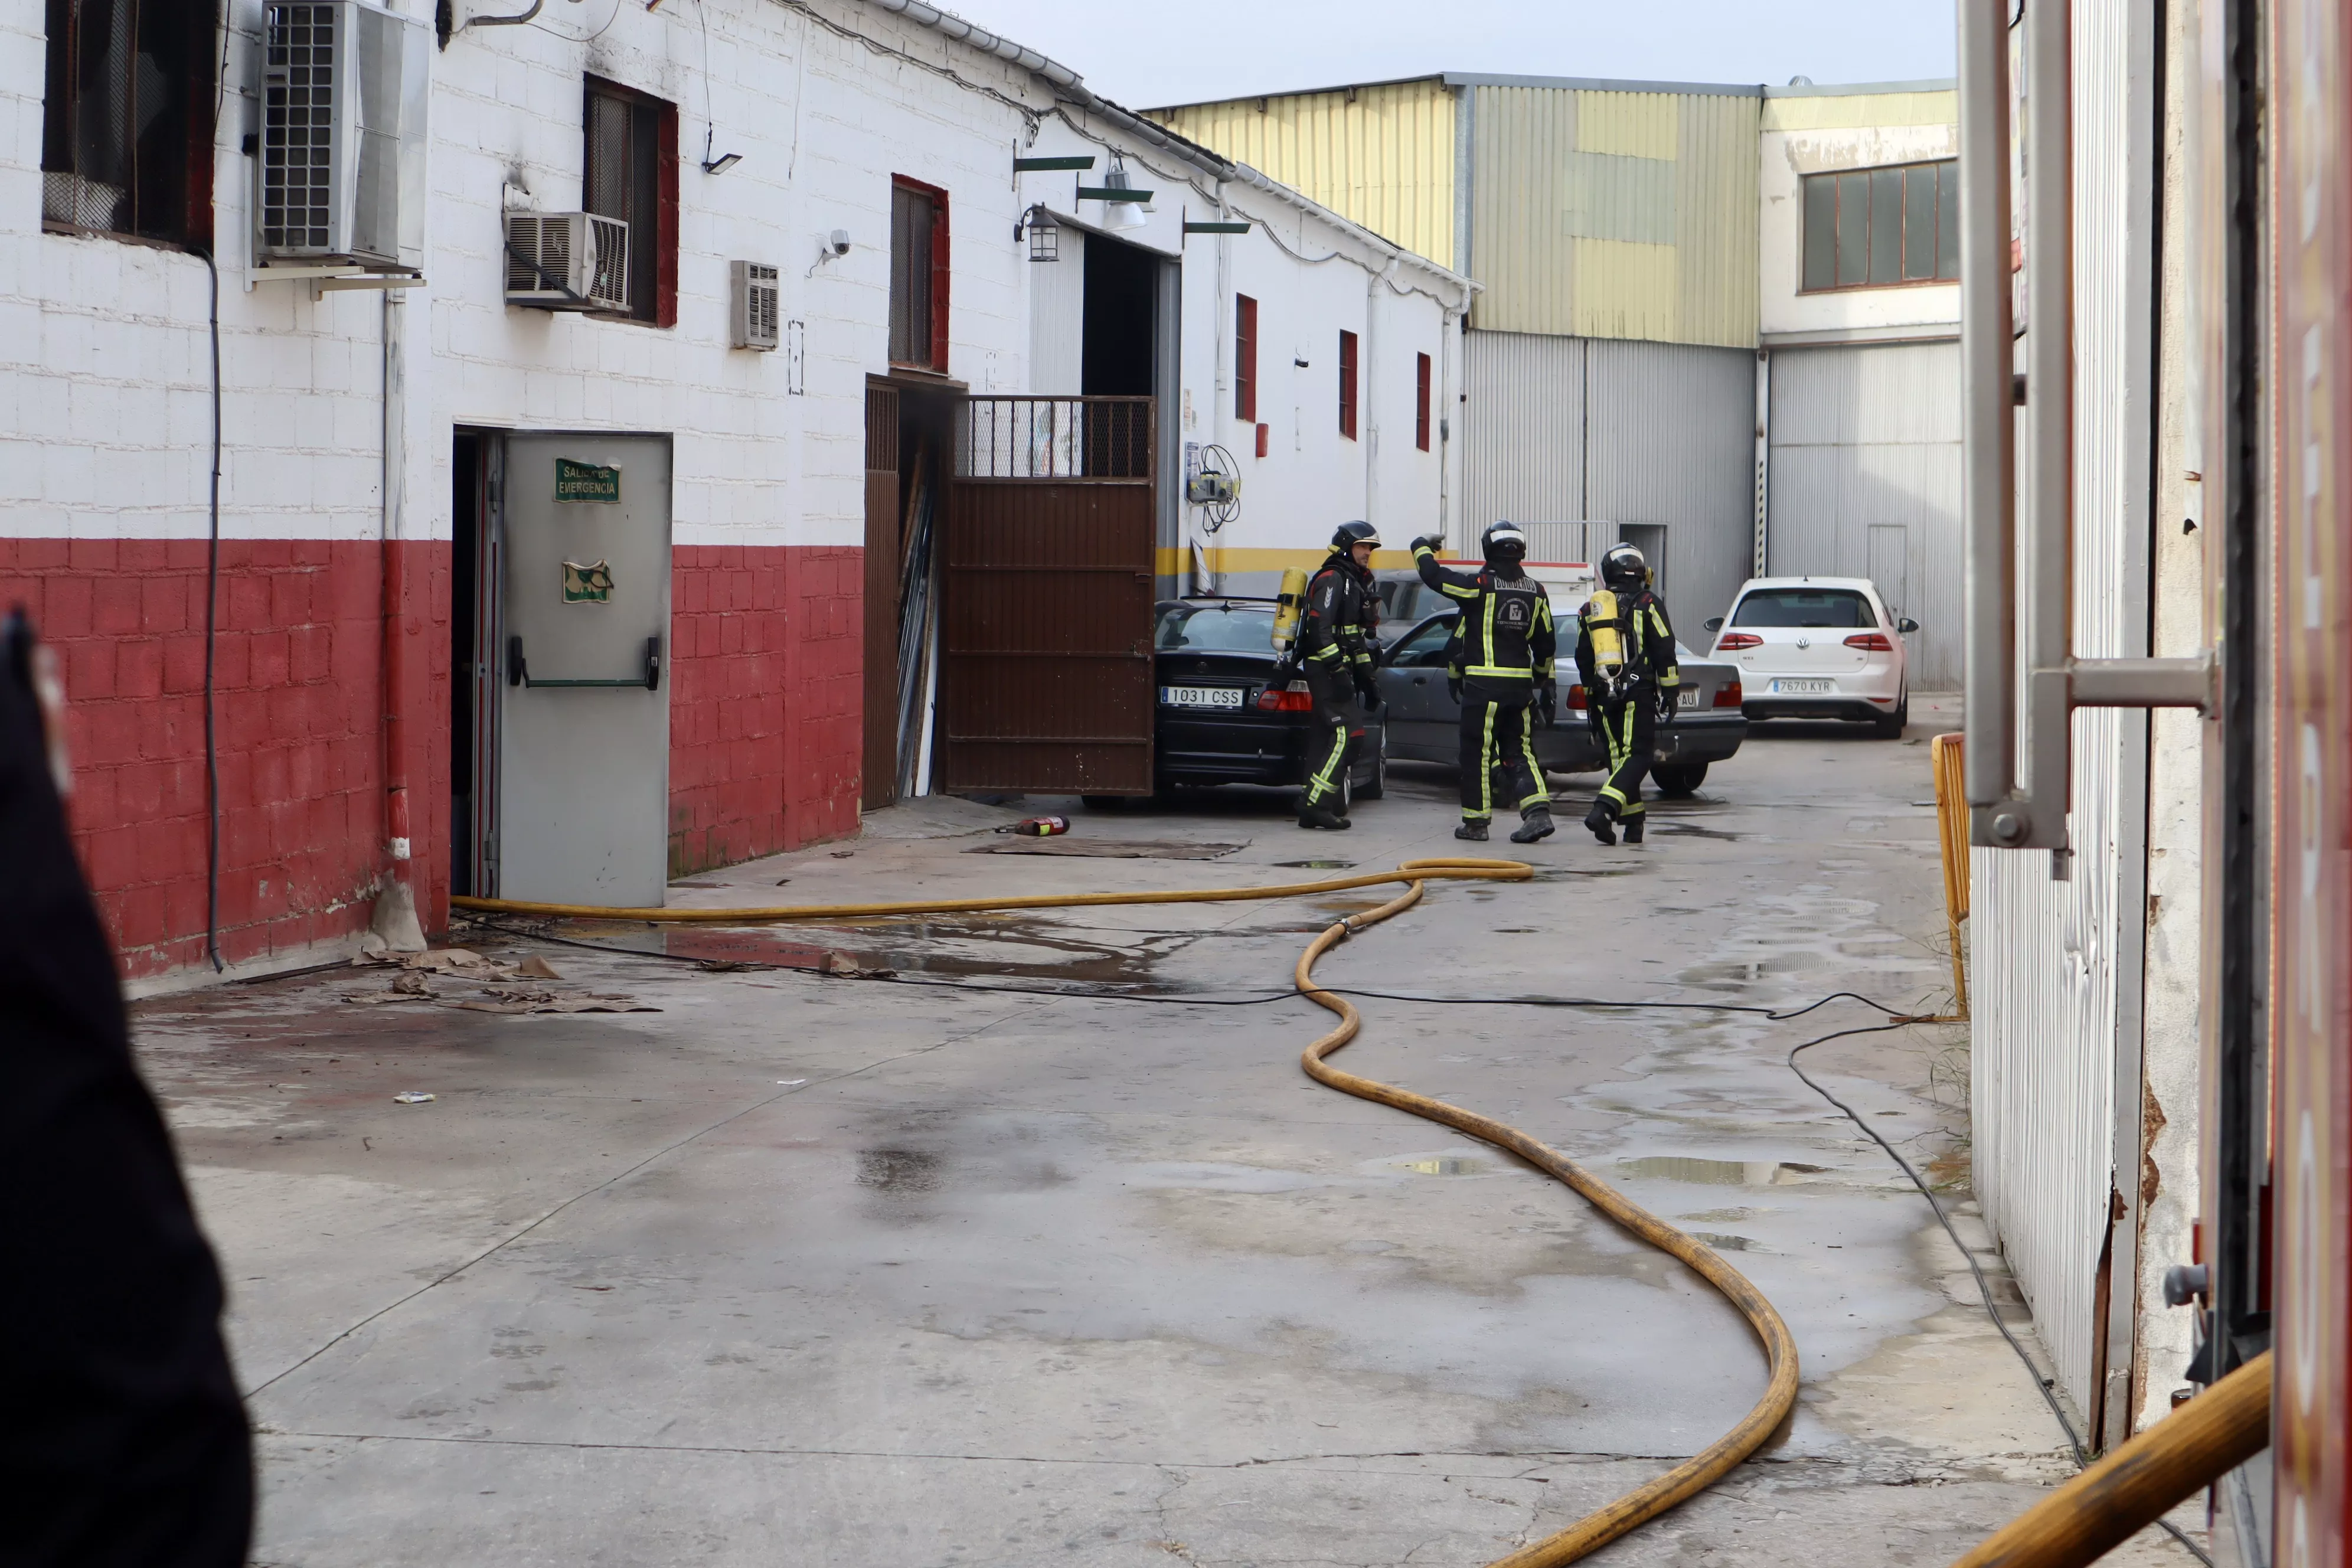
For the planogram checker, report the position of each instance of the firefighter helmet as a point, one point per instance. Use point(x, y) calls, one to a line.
point(1624, 569)
point(1505, 545)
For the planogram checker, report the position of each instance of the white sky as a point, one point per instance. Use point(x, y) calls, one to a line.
point(1179, 51)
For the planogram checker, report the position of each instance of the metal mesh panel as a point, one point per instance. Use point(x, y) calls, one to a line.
point(1057, 438)
point(608, 278)
point(298, 119)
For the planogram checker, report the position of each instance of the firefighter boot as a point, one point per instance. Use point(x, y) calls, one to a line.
point(1632, 827)
point(1601, 821)
point(1474, 831)
point(1536, 825)
point(1316, 814)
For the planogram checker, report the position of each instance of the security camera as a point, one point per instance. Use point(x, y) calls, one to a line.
point(838, 242)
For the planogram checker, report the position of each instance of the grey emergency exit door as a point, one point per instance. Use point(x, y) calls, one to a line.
point(583, 675)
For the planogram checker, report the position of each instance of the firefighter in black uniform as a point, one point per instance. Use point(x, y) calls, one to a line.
point(1629, 687)
point(1334, 649)
point(1500, 670)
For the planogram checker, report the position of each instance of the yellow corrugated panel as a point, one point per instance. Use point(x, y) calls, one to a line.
point(1625, 290)
point(1631, 124)
point(1717, 200)
point(1382, 156)
point(1855, 110)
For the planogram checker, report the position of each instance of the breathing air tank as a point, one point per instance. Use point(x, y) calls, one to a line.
point(1608, 644)
point(1290, 603)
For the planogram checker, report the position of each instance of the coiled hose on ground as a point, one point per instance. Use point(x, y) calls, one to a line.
point(1596, 1529)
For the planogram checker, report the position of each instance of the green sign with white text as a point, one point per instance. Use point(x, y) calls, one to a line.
point(586, 481)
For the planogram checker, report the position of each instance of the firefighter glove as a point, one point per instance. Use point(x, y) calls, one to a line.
point(1366, 686)
point(1422, 541)
point(1666, 702)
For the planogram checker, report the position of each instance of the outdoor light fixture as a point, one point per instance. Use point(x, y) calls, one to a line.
point(721, 163)
point(1044, 239)
point(1125, 202)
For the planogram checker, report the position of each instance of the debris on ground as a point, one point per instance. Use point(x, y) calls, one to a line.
point(504, 989)
point(410, 1096)
point(1111, 848)
point(537, 968)
point(842, 854)
point(841, 966)
point(549, 1002)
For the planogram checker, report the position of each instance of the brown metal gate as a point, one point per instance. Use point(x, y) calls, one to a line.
point(1045, 641)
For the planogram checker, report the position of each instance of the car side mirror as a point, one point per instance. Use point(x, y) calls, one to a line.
point(1715, 623)
point(1906, 625)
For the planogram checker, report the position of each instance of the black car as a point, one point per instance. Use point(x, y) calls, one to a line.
point(1424, 719)
point(1222, 715)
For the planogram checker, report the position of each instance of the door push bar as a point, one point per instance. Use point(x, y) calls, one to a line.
point(2006, 810)
point(518, 669)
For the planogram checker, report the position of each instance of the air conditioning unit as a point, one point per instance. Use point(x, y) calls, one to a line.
point(567, 262)
point(755, 303)
point(338, 170)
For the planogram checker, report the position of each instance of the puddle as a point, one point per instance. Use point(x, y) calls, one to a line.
point(1316, 865)
point(1720, 1173)
point(1692, 830)
point(1445, 1165)
point(898, 1170)
point(981, 946)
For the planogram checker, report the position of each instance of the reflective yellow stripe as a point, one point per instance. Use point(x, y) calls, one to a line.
point(1499, 669)
point(1486, 766)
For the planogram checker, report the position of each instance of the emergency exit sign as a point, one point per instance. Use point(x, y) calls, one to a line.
point(586, 481)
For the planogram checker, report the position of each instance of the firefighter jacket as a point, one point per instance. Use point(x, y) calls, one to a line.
point(1649, 639)
point(1342, 611)
point(1502, 641)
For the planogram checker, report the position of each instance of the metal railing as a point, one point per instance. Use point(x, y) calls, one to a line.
point(1112, 441)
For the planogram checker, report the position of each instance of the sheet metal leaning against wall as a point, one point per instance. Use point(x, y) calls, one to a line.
point(2056, 989)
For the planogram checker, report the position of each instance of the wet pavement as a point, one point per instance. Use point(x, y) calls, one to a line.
point(934, 1262)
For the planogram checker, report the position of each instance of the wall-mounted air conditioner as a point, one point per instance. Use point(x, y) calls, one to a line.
point(567, 262)
point(755, 304)
point(339, 166)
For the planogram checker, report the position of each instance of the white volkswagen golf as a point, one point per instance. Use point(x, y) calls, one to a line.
point(1817, 647)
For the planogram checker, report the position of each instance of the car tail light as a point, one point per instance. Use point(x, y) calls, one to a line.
point(1727, 695)
point(1870, 642)
point(1576, 696)
point(1293, 699)
point(1731, 640)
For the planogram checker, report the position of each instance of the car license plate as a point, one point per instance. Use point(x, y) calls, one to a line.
point(1688, 698)
point(1802, 687)
point(1201, 696)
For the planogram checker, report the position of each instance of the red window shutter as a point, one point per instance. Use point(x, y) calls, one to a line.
point(940, 275)
point(1246, 360)
point(665, 216)
point(1421, 401)
point(1347, 385)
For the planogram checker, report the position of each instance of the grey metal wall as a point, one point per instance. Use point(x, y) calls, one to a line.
point(1573, 429)
point(1863, 437)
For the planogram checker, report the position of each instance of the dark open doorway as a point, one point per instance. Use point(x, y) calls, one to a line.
point(470, 548)
point(910, 430)
point(1122, 310)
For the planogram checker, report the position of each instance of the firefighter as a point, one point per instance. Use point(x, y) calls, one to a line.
point(1334, 649)
point(1500, 670)
point(1626, 658)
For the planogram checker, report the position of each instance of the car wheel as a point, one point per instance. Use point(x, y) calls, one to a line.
point(1677, 781)
point(1889, 727)
point(1347, 789)
point(1377, 784)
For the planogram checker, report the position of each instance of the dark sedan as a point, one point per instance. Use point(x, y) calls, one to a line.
point(1423, 717)
point(1223, 716)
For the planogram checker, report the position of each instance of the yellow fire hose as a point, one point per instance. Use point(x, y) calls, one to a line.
point(2134, 1486)
point(1595, 1529)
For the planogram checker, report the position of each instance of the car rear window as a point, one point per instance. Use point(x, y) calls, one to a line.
point(1835, 608)
point(1216, 628)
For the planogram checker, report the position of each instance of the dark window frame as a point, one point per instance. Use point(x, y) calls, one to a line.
point(1245, 359)
point(653, 149)
point(1834, 231)
point(1421, 369)
point(169, 191)
point(936, 361)
point(1347, 363)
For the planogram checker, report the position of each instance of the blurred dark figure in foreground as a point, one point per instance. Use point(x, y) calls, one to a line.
point(122, 1440)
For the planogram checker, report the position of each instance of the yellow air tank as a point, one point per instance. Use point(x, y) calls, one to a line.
point(1608, 643)
point(1290, 603)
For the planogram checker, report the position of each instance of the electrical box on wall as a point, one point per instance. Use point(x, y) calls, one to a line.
point(339, 167)
point(755, 301)
point(567, 262)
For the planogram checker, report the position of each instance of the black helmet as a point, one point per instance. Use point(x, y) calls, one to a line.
point(1351, 534)
point(1505, 545)
point(1623, 570)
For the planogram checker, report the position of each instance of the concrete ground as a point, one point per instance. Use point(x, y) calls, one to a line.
point(813, 1268)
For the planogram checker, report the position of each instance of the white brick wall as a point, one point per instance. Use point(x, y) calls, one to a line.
point(104, 365)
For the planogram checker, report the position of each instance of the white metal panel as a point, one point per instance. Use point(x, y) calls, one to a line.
point(2048, 953)
point(1670, 440)
point(1864, 438)
point(1058, 310)
point(1523, 430)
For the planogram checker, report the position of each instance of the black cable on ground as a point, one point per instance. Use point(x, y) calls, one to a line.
point(1984, 1286)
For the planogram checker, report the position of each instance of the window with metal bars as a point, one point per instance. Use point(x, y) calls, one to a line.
point(1880, 229)
point(1347, 385)
point(630, 172)
point(1246, 358)
point(919, 274)
point(127, 119)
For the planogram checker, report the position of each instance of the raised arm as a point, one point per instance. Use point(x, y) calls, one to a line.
point(1458, 584)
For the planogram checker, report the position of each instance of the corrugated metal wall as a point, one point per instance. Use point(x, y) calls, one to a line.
point(2048, 954)
point(1868, 438)
point(1615, 214)
point(1382, 156)
point(1567, 429)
